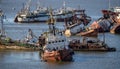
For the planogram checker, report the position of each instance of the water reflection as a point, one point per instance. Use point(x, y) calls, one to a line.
point(13, 59)
point(19, 56)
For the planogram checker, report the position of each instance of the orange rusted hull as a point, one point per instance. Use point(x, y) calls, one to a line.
point(115, 28)
point(90, 33)
point(51, 56)
point(54, 56)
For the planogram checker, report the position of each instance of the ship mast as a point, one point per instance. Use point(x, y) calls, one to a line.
point(27, 7)
point(64, 5)
point(51, 22)
point(38, 5)
point(109, 4)
point(2, 32)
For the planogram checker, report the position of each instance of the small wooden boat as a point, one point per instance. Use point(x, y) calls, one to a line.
point(89, 45)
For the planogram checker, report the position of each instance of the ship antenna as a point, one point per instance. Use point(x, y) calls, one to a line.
point(79, 7)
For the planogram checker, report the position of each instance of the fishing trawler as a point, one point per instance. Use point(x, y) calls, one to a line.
point(41, 14)
point(54, 45)
point(90, 44)
point(63, 12)
point(77, 23)
point(26, 16)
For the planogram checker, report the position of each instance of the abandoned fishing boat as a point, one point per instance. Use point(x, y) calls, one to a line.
point(77, 23)
point(115, 29)
point(26, 16)
point(102, 25)
point(55, 46)
point(63, 12)
point(41, 14)
point(88, 44)
point(116, 26)
point(110, 22)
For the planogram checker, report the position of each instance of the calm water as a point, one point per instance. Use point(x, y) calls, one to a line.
point(11, 59)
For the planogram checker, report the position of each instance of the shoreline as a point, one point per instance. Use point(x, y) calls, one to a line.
point(9, 44)
point(4, 47)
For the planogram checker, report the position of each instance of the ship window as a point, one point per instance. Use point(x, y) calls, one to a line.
point(53, 42)
point(62, 40)
point(59, 41)
point(49, 42)
point(56, 41)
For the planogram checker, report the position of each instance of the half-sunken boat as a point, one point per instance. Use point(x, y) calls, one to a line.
point(88, 44)
point(101, 25)
point(55, 46)
point(116, 26)
point(77, 23)
point(109, 22)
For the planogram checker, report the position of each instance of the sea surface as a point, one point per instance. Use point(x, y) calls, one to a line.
point(12, 59)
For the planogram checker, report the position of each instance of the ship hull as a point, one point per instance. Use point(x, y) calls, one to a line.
point(90, 33)
point(94, 49)
point(76, 45)
point(55, 56)
point(115, 29)
point(43, 18)
point(31, 20)
point(74, 30)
